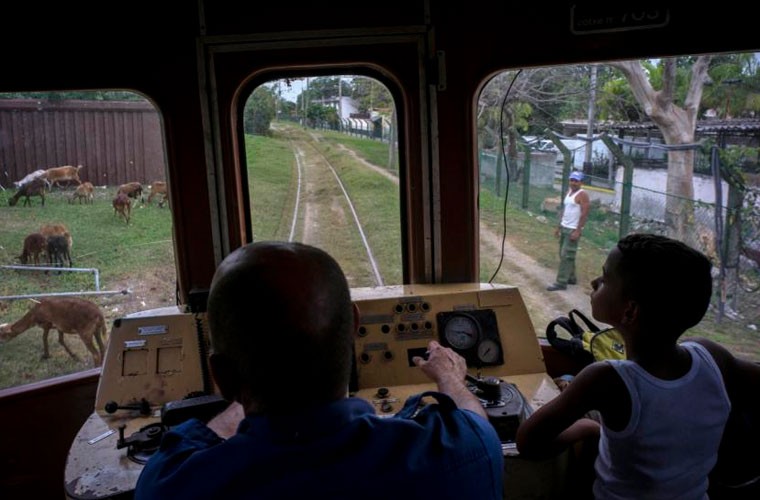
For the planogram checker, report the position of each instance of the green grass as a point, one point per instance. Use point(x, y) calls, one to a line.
point(270, 176)
point(372, 150)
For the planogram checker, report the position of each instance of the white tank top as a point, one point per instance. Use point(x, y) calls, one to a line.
point(571, 213)
point(671, 441)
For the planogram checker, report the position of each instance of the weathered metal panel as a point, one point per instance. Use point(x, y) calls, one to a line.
point(115, 141)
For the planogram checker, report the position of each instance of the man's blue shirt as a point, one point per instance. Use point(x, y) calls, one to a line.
point(339, 451)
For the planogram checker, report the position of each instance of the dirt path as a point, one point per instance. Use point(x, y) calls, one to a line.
point(531, 278)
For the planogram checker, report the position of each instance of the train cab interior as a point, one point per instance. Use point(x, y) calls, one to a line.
point(197, 63)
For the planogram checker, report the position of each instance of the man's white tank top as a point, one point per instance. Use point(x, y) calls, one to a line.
point(571, 213)
point(671, 442)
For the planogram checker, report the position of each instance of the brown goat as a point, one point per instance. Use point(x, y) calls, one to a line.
point(131, 189)
point(122, 205)
point(59, 174)
point(35, 244)
point(67, 315)
point(158, 188)
point(48, 230)
point(36, 187)
point(84, 191)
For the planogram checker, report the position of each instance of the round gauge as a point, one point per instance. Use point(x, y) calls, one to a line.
point(461, 332)
point(488, 351)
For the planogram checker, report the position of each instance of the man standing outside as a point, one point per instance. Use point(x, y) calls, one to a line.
point(573, 216)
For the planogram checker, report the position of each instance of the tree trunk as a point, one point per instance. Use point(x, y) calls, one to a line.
point(677, 125)
point(679, 207)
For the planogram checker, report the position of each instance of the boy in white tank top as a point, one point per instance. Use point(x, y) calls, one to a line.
point(663, 410)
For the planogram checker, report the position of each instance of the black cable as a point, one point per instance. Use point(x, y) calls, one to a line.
point(506, 167)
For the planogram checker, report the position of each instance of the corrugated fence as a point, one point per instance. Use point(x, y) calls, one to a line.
point(114, 141)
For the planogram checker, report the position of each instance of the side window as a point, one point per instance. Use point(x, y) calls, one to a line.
point(323, 168)
point(538, 125)
point(72, 250)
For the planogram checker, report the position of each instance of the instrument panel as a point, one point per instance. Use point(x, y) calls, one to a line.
point(487, 324)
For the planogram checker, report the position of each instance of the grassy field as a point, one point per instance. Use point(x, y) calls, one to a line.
point(138, 258)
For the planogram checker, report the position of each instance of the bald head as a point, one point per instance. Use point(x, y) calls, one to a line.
point(281, 315)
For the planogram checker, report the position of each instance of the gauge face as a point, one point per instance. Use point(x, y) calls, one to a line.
point(461, 332)
point(488, 351)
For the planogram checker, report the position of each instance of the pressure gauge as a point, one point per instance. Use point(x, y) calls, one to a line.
point(488, 352)
point(461, 332)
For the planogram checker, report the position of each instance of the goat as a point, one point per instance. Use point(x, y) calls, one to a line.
point(67, 315)
point(158, 188)
point(36, 187)
point(58, 251)
point(66, 173)
point(29, 178)
point(84, 192)
point(48, 230)
point(131, 189)
point(122, 206)
point(34, 245)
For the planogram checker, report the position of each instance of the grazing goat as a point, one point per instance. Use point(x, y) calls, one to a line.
point(29, 178)
point(48, 230)
point(34, 245)
point(122, 205)
point(131, 189)
point(158, 188)
point(58, 251)
point(84, 192)
point(59, 174)
point(67, 315)
point(36, 187)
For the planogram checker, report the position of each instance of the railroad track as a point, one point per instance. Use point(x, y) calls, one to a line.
point(323, 214)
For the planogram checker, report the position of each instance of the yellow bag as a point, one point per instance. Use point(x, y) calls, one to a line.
point(604, 344)
point(584, 343)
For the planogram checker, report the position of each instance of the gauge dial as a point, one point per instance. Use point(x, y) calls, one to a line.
point(461, 332)
point(488, 351)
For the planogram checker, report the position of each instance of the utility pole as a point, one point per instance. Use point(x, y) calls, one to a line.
point(590, 124)
point(340, 97)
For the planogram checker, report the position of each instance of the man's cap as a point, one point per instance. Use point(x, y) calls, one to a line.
point(576, 176)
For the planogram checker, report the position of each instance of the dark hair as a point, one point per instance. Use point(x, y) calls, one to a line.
point(282, 314)
point(671, 282)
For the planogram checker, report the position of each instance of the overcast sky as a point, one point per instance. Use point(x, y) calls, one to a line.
point(290, 93)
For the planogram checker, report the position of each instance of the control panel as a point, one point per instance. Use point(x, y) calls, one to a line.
point(486, 324)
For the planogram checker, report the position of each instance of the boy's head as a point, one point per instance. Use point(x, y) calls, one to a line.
point(670, 281)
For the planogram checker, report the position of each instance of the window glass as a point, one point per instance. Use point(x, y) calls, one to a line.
point(81, 147)
point(537, 125)
point(323, 167)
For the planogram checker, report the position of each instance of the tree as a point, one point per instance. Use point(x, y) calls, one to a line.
point(677, 123)
point(259, 111)
point(370, 94)
point(323, 116)
point(529, 101)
